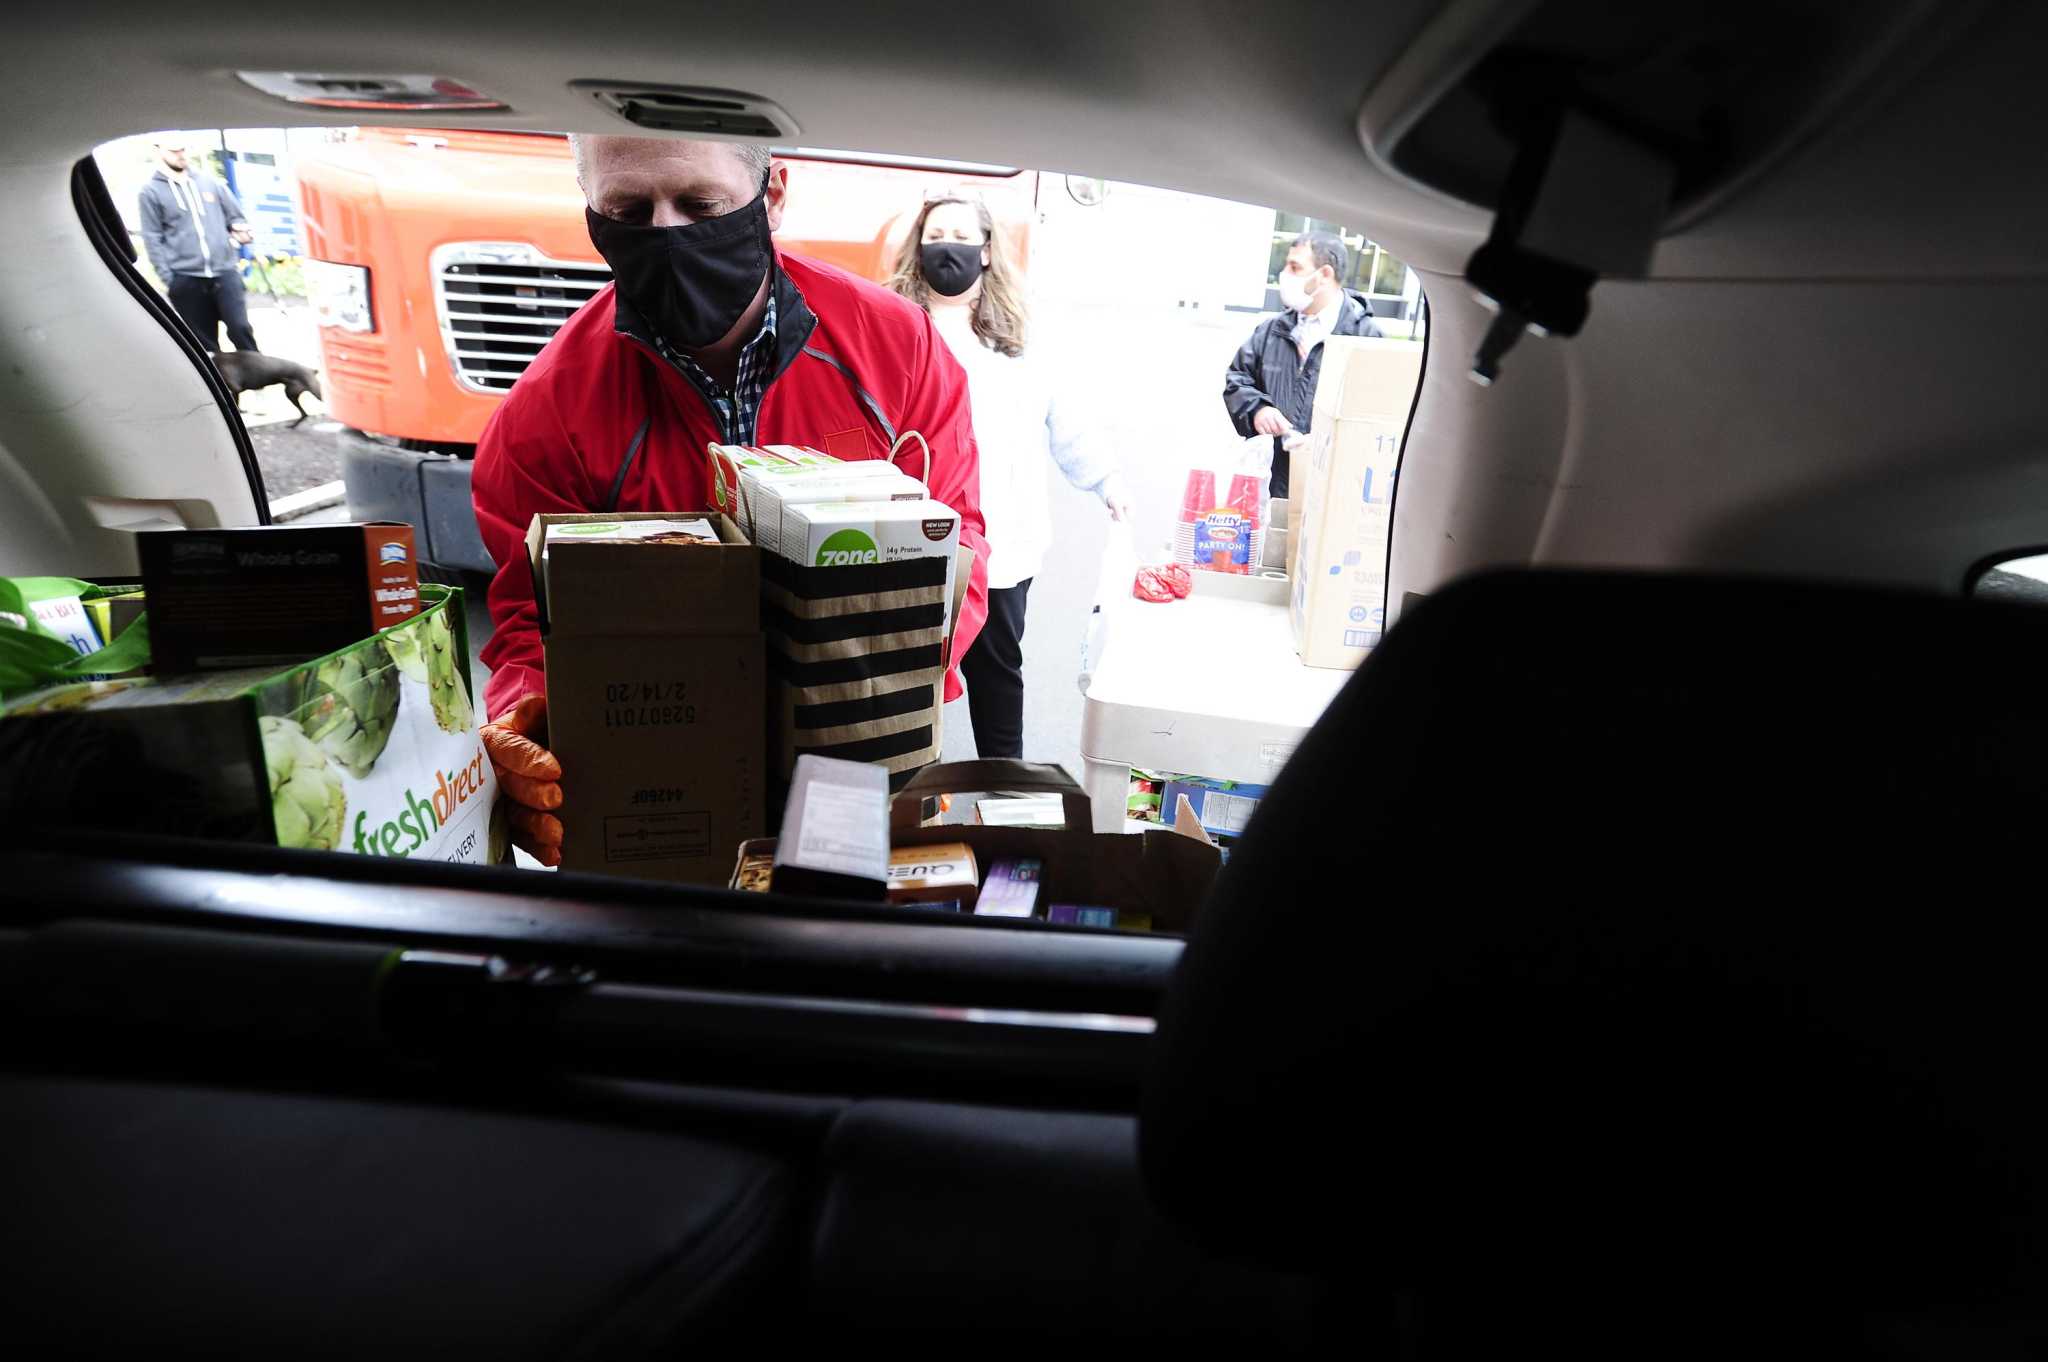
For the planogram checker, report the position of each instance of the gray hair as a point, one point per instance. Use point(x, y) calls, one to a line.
point(1327, 248)
point(753, 155)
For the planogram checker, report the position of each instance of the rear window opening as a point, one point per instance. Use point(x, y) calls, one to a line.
point(414, 275)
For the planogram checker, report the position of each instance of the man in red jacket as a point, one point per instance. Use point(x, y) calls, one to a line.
point(708, 334)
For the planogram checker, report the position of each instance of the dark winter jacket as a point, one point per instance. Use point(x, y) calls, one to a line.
point(185, 226)
point(1270, 372)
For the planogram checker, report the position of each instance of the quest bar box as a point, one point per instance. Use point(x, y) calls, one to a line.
point(656, 697)
point(272, 595)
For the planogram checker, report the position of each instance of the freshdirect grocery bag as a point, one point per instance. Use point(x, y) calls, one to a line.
point(371, 749)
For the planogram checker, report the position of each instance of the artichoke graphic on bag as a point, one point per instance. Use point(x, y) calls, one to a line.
point(350, 702)
point(393, 716)
point(306, 798)
point(426, 651)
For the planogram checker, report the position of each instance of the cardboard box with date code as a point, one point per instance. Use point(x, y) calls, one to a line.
point(656, 698)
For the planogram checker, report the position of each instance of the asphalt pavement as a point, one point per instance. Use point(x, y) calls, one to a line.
point(297, 457)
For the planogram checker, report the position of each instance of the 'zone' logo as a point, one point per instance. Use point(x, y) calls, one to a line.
point(848, 548)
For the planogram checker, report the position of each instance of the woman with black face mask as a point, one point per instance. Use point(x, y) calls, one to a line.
point(955, 265)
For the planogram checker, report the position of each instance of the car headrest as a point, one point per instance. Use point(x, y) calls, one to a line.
point(1633, 928)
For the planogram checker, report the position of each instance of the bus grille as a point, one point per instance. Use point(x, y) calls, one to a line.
point(495, 317)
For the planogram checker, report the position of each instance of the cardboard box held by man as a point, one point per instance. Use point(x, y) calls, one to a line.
point(656, 695)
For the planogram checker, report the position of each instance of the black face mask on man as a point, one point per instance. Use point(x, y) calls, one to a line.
point(950, 267)
point(690, 283)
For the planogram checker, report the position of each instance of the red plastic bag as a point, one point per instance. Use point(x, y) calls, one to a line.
point(1168, 582)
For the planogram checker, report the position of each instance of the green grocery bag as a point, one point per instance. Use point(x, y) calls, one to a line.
point(372, 749)
point(48, 634)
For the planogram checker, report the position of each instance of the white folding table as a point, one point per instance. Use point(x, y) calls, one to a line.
point(1206, 686)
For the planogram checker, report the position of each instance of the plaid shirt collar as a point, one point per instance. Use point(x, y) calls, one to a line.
point(738, 411)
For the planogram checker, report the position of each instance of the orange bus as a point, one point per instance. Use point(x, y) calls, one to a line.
point(440, 261)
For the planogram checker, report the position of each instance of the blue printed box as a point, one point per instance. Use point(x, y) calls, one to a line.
point(1222, 807)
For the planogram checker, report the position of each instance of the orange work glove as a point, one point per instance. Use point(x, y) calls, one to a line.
point(528, 776)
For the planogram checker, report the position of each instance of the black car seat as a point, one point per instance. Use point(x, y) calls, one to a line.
point(211, 1151)
point(179, 1219)
point(1640, 965)
point(1018, 1233)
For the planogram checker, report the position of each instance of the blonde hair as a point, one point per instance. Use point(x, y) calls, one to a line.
point(1000, 317)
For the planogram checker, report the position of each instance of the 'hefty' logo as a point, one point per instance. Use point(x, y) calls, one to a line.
point(1222, 526)
point(848, 548)
point(391, 551)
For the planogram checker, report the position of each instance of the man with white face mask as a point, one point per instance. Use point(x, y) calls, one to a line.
point(1271, 385)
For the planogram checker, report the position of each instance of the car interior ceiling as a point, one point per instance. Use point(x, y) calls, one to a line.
point(1659, 985)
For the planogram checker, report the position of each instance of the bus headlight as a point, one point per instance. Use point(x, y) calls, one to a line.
point(340, 295)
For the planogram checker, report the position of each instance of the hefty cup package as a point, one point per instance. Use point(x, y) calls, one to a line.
point(1223, 534)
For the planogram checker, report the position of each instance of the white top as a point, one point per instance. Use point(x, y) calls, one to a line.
point(1021, 417)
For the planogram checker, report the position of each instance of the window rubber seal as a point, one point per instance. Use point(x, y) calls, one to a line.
point(102, 222)
point(1400, 461)
point(1977, 570)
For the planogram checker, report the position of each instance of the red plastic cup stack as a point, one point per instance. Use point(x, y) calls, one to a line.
point(1247, 501)
point(1244, 498)
point(1198, 498)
